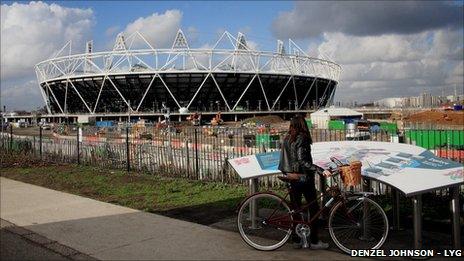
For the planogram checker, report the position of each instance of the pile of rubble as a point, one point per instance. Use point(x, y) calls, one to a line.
point(437, 117)
point(262, 121)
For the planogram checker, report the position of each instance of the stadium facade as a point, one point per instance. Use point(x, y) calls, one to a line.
point(230, 76)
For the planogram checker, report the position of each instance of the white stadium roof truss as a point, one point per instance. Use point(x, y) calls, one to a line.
point(128, 58)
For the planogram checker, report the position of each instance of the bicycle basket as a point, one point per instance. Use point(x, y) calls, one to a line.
point(351, 173)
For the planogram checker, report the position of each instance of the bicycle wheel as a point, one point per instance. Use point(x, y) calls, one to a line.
point(358, 223)
point(264, 221)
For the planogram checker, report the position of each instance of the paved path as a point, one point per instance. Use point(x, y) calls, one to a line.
point(18, 243)
point(106, 231)
point(15, 247)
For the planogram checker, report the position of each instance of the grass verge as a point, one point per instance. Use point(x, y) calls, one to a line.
point(197, 201)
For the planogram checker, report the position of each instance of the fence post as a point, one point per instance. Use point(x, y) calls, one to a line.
point(40, 142)
point(127, 149)
point(196, 151)
point(11, 138)
point(187, 155)
point(33, 146)
point(78, 146)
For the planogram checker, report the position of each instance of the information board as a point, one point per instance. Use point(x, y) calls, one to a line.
point(257, 165)
point(411, 169)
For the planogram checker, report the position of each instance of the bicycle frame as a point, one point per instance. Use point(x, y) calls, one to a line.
point(334, 199)
point(345, 210)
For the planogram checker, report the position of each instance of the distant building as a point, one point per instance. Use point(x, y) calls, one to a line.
point(454, 98)
point(424, 100)
point(410, 102)
point(321, 118)
point(390, 103)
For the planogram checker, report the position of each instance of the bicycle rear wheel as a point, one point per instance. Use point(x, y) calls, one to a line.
point(264, 221)
point(358, 223)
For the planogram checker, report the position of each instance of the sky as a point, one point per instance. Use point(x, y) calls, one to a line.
point(386, 49)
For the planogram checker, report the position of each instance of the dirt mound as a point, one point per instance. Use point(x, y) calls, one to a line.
point(437, 117)
point(259, 120)
point(22, 160)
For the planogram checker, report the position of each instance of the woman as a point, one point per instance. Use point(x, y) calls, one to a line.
point(297, 164)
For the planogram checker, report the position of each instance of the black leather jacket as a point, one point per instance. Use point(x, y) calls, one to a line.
point(295, 157)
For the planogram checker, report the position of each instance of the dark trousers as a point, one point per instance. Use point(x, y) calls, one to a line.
point(308, 189)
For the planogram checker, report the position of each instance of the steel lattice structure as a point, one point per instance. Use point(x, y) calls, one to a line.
point(137, 77)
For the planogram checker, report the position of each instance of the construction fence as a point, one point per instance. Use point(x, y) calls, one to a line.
point(198, 153)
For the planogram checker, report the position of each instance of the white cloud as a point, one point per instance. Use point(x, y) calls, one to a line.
point(192, 35)
point(32, 32)
point(22, 96)
point(252, 45)
point(159, 29)
point(457, 74)
point(386, 48)
point(395, 65)
point(111, 31)
point(447, 44)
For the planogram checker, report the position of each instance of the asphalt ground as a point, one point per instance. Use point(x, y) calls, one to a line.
point(105, 231)
point(17, 243)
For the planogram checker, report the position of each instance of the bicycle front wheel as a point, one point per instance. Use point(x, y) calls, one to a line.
point(358, 223)
point(264, 221)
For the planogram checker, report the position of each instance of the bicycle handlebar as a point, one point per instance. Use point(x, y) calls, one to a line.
point(337, 162)
point(334, 173)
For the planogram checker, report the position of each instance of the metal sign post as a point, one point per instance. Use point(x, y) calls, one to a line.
point(253, 207)
point(454, 192)
point(417, 205)
point(396, 209)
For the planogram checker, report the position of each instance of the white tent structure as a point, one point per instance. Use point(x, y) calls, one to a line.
point(320, 119)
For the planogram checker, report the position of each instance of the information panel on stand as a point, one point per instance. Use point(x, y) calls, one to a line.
point(409, 168)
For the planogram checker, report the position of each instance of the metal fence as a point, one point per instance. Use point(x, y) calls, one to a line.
point(444, 142)
point(198, 153)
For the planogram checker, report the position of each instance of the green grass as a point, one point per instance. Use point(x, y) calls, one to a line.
point(141, 191)
point(196, 201)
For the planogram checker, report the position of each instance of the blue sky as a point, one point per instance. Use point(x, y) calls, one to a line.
point(254, 18)
point(385, 48)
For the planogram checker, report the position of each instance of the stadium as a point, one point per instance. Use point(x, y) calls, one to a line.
point(138, 78)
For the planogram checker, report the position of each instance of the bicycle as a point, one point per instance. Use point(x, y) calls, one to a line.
point(265, 220)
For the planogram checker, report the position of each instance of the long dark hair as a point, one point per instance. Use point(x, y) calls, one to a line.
point(298, 127)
